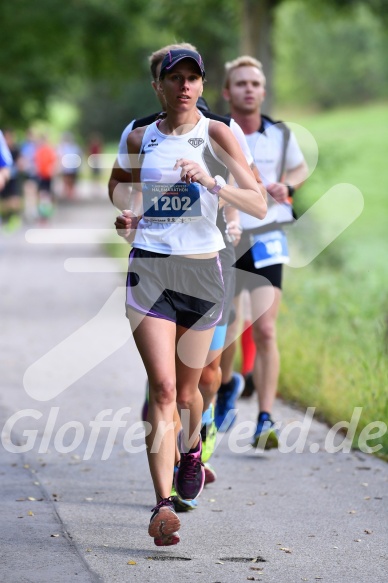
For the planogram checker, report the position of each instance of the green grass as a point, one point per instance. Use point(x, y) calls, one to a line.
point(333, 326)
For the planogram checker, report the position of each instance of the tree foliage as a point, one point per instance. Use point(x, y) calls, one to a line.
point(50, 45)
point(329, 59)
point(94, 53)
point(210, 25)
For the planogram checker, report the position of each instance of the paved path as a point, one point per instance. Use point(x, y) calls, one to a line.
point(67, 514)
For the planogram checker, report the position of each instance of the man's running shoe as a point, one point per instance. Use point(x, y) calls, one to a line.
point(208, 434)
point(266, 435)
point(164, 524)
point(144, 411)
point(190, 476)
point(210, 474)
point(182, 505)
point(249, 388)
point(226, 410)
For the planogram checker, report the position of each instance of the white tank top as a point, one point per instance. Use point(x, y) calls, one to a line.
point(178, 219)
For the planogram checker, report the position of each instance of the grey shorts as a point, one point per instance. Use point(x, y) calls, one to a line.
point(189, 292)
point(228, 258)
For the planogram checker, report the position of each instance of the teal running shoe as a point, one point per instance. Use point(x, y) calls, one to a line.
point(179, 504)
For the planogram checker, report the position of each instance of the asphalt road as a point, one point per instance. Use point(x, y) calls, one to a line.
point(76, 495)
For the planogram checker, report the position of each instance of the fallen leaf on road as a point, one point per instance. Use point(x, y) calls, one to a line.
point(31, 499)
point(285, 549)
point(219, 563)
point(352, 512)
point(131, 563)
point(357, 540)
point(30, 513)
point(368, 531)
point(54, 535)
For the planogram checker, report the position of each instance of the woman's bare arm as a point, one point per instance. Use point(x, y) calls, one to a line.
point(250, 196)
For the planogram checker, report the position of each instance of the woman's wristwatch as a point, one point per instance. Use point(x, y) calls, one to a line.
point(219, 183)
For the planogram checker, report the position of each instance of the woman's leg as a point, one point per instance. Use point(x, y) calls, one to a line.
point(155, 340)
point(192, 349)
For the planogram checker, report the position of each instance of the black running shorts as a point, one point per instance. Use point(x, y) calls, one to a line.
point(253, 277)
point(189, 292)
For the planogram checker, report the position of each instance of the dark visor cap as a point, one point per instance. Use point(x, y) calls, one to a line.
point(173, 57)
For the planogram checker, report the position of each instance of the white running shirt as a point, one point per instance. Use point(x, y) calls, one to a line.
point(266, 149)
point(178, 219)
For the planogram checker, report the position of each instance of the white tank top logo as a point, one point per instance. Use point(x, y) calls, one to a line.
point(195, 142)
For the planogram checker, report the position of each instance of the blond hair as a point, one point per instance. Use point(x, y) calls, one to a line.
point(244, 61)
point(157, 57)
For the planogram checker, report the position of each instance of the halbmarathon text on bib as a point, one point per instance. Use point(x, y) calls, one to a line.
point(171, 203)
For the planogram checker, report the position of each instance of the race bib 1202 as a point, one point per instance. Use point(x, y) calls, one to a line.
point(171, 203)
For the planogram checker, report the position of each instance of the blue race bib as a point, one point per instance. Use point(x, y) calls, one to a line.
point(269, 249)
point(171, 203)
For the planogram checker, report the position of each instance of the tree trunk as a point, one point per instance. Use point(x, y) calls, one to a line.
point(256, 39)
